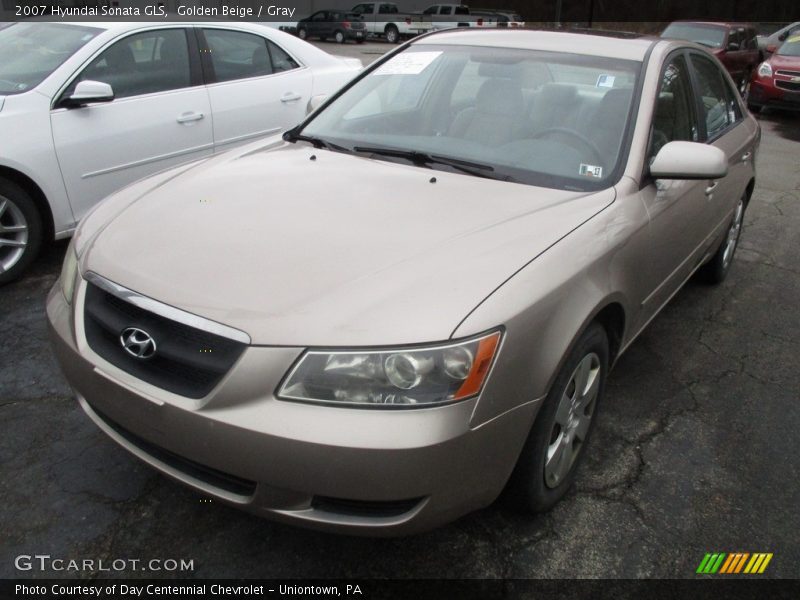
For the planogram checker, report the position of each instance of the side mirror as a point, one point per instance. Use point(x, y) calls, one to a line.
point(733, 46)
point(87, 92)
point(689, 160)
point(315, 103)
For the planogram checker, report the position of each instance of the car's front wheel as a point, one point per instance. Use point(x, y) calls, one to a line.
point(546, 467)
point(302, 34)
point(20, 231)
point(716, 269)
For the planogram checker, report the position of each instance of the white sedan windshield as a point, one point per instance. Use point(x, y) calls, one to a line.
point(542, 118)
point(29, 52)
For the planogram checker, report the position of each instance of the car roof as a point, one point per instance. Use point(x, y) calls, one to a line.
point(720, 24)
point(624, 46)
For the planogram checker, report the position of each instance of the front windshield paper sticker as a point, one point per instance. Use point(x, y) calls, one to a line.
point(591, 171)
point(408, 63)
point(606, 81)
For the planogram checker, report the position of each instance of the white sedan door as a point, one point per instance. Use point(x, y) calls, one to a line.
point(160, 117)
point(258, 90)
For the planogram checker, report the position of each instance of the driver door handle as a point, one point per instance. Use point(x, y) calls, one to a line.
point(189, 117)
point(290, 97)
point(746, 156)
point(711, 187)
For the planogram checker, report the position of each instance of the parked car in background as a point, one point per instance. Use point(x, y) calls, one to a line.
point(384, 19)
point(770, 43)
point(87, 109)
point(734, 44)
point(776, 82)
point(340, 26)
point(384, 361)
point(504, 18)
point(445, 16)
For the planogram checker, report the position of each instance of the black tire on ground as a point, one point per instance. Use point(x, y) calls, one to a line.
point(392, 34)
point(360, 40)
point(17, 209)
point(716, 269)
point(753, 108)
point(529, 488)
point(339, 37)
point(302, 34)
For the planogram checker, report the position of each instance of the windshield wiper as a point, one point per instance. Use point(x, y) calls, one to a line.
point(293, 136)
point(425, 159)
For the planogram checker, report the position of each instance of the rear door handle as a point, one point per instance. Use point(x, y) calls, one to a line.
point(290, 97)
point(189, 117)
point(746, 156)
point(711, 187)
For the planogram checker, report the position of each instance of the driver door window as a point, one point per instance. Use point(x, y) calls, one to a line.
point(146, 63)
point(674, 118)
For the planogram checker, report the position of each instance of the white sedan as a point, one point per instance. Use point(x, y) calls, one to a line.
point(86, 109)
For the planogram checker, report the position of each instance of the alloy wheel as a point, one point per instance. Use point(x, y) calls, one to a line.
point(573, 419)
point(13, 234)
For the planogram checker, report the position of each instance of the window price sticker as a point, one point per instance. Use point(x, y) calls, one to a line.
point(408, 63)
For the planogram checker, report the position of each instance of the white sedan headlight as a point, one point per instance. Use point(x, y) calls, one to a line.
point(765, 70)
point(69, 272)
point(399, 377)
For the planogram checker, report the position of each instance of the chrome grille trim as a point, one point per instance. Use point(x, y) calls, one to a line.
point(165, 310)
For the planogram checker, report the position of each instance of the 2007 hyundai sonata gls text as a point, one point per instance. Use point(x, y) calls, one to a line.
point(411, 301)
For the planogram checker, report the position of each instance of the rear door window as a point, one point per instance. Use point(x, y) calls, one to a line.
point(237, 55)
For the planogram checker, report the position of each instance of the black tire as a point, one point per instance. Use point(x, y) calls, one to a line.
point(529, 488)
point(717, 268)
point(338, 36)
point(360, 40)
point(302, 34)
point(754, 108)
point(17, 209)
point(392, 34)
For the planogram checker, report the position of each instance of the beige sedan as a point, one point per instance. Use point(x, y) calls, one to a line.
point(411, 301)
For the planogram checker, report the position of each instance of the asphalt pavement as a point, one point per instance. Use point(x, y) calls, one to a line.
point(697, 448)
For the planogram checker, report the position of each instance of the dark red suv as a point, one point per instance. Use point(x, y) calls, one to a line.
point(734, 44)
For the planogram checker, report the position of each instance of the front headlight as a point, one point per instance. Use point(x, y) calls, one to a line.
point(399, 378)
point(765, 70)
point(69, 271)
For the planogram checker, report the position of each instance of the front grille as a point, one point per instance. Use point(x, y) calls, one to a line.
point(788, 73)
point(208, 475)
point(792, 86)
point(188, 361)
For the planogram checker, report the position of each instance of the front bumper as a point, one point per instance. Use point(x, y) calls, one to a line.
point(371, 472)
point(763, 93)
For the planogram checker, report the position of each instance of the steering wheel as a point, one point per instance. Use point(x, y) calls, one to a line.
point(587, 143)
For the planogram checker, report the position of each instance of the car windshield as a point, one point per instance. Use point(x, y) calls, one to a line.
point(31, 51)
point(542, 118)
point(707, 35)
point(790, 47)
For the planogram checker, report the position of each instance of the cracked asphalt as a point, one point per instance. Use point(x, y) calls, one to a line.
point(697, 448)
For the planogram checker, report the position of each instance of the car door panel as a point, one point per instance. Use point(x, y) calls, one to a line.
point(727, 130)
point(103, 147)
point(261, 102)
point(678, 209)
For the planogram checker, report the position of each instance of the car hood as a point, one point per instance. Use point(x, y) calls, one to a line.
point(783, 62)
point(296, 246)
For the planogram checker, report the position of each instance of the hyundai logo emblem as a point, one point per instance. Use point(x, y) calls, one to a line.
point(137, 342)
